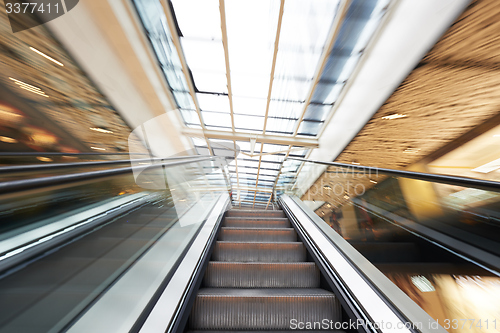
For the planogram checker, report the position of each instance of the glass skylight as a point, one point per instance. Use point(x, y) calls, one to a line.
point(213, 102)
point(198, 18)
point(204, 55)
point(251, 33)
point(251, 40)
point(244, 123)
point(249, 106)
point(217, 119)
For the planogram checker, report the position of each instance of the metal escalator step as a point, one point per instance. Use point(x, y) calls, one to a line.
point(259, 252)
point(248, 213)
point(258, 235)
point(262, 275)
point(253, 222)
point(264, 309)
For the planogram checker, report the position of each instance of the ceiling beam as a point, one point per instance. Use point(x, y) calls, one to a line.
point(222, 9)
point(262, 138)
point(256, 189)
point(237, 173)
point(273, 67)
point(332, 37)
point(300, 169)
point(185, 69)
point(269, 92)
point(268, 201)
point(250, 202)
point(279, 172)
point(258, 171)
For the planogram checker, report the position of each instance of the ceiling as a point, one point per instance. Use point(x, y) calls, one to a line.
point(452, 91)
point(258, 77)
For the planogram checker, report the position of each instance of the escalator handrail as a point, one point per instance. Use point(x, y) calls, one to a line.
point(42, 153)
point(10, 187)
point(330, 244)
point(57, 166)
point(482, 184)
point(458, 246)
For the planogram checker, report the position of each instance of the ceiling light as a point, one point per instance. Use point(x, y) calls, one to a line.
point(102, 130)
point(7, 139)
point(8, 114)
point(35, 91)
point(488, 167)
point(355, 163)
point(97, 148)
point(422, 283)
point(327, 187)
point(23, 83)
point(44, 159)
point(346, 197)
point(395, 116)
point(373, 181)
point(328, 205)
point(28, 87)
point(411, 150)
point(46, 56)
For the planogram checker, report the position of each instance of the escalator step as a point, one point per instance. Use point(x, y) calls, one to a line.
point(258, 235)
point(259, 252)
point(264, 309)
point(253, 222)
point(249, 213)
point(262, 275)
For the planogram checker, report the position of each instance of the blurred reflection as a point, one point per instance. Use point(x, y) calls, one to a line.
point(460, 303)
point(374, 212)
point(47, 104)
point(69, 280)
point(22, 213)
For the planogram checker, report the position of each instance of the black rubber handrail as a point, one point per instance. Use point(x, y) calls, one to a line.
point(487, 185)
point(9, 187)
point(41, 153)
point(55, 166)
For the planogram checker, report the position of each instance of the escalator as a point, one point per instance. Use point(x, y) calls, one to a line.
point(182, 259)
point(58, 264)
point(417, 231)
point(259, 279)
point(46, 292)
point(393, 249)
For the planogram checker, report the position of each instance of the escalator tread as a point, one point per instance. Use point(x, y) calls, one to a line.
point(259, 279)
point(270, 292)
